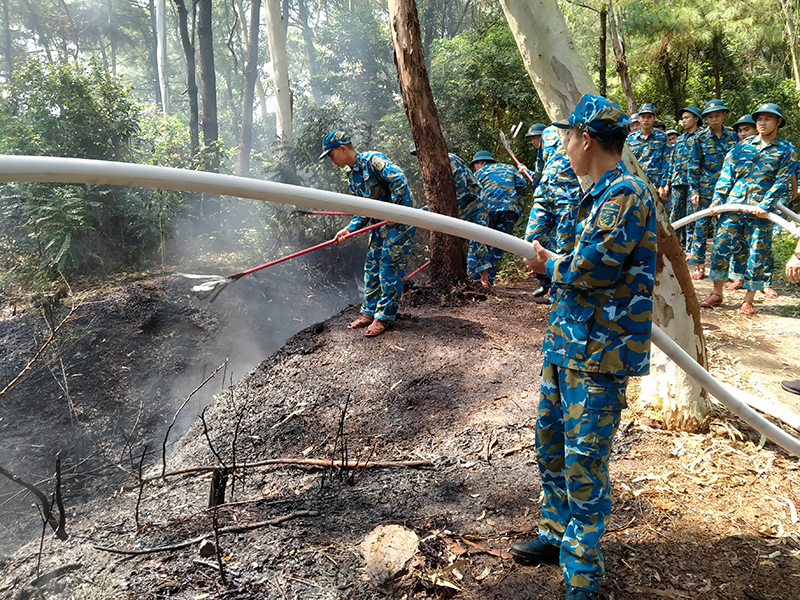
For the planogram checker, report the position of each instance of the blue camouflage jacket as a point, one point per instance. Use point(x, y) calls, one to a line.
point(558, 183)
point(755, 175)
point(653, 154)
point(375, 176)
point(678, 157)
point(601, 320)
point(502, 185)
point(705, 162)
point(468, 190)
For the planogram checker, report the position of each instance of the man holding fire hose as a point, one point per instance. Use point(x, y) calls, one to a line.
point(372, 175)
point(599, 335)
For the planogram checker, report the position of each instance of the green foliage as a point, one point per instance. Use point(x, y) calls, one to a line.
point(75, 110)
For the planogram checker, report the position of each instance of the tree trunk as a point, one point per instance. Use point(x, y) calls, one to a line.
point(716, 38)
point(311, 51)
point(621, 60)
point(208, 81)
point(250, 75)
point(283, 93)
point(603, 49)
point(561, 79)
point(448, 266)
point(788, 18)
point(112, 37)
point(162, 64)
point(7, 42)
point(262, 97)
point(191, 81)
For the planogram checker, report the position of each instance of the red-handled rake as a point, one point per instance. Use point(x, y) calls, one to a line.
point(216, 283)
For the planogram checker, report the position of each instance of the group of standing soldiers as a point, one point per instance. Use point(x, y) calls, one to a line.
point(711, 165)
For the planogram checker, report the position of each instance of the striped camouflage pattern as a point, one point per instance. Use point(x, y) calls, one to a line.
point(578, 416)
point(472, 207)
point(502, 186)
point(705, 165)
point(555, 200)
point(601, 319)
point(652, 153)
point(375, 176)
point(756, 176)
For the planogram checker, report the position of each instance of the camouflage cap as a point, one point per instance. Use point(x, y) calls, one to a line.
point(647, 108)
point(536, 129)
point(693, 110)
point(599, 117)
point(770, 108)
point(745, 120)
point(714, 106)
point(482, 155)
point(332, 140)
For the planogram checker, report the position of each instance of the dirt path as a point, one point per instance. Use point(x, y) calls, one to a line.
point(454, 382)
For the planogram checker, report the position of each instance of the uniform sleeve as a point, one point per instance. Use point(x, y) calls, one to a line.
point(782, 183)
point(393, 176)
point(520, 184)
point(600, 253)
point(356, 222)
point(726, 179)
point(663, 168)
point(693, 160)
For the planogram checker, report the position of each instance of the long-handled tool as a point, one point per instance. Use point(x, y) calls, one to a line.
point(507, 146)
point(211, 289)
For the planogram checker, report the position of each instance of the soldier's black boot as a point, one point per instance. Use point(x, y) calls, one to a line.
point(537, 552)
point(574, 593)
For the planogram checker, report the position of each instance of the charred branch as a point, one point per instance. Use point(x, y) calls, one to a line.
point(47, 512)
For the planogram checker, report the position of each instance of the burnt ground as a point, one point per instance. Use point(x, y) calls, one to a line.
point(454, 383)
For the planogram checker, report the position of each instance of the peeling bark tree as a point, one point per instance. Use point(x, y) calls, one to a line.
point(447, 252)
point(191, 83)
point(621, 60)
point(283, 93)
point(561, 78)
point(161, 53)
point(250, 76)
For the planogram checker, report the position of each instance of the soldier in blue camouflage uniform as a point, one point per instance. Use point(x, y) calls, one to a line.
point(691, 120)
point(472, 207)
point(555, 201)
point(598, 336)
point(756, 172)
point(649, 146)
point(704, 166)
point(372, 175)
point(502, 186)
point(744, 128)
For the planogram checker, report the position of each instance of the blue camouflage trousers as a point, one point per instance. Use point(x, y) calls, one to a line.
point(579, 413)
point(681, 207)
point(477, 260)
point(742, 243)
point(501, 220)
point(384, 270)
point(702, 227)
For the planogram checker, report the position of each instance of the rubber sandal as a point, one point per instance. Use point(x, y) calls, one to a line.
point(698, 273)
point(713, 299)
point(770, 293)
point(735, 284)
point(361, 321)
point(747, 309)
point(376, 328)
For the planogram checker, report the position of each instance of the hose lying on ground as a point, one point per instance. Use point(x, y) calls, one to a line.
point(789, 213)
point(792, 228)
point(72, 170)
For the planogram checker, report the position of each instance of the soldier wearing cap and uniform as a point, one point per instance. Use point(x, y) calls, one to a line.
point(599, 335)
point(372, 175)
point(555, 201)
point(502, 186)
point(704, 165)
point(691, 120)
point(649, 146)
point(472, 207)
point(757, 172)
point(672, 137)
point(635, 125)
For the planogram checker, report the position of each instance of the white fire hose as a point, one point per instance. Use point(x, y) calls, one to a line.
point(72, 170)
point(792, 228)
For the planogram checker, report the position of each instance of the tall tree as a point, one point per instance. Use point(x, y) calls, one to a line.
point(561, 79)
point(283, 93)
point(191, 75)
point(250, 76)
point(208, 81)
point(162, 62)
point(447, 253)
point(621, 59)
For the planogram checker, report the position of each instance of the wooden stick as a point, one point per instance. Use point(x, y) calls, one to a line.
point(232, 529)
